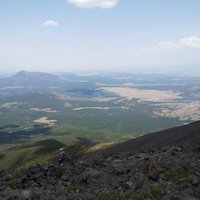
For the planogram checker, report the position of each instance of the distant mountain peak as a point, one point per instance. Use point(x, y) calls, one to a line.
point(28, 73)
point(26, 78)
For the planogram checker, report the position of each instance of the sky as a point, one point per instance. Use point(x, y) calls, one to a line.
point(89, 35)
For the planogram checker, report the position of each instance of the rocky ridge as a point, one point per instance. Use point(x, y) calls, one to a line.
point(170, 172)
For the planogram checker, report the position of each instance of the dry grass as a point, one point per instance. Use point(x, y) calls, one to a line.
point(61, 96)
point(9, 105)
point(64, 98)
point(47, 110)
point(143, 95)
point(91, 108)
point(183, 111)
point(45, 120)
point(100, 146)
point(68, 105)
point(12, 88)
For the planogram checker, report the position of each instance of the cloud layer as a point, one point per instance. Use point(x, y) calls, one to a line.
point(94, 3)
point(50, 23)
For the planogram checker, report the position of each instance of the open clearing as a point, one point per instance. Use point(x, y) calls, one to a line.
point(143, 95)
point(9, 105)
point(47, 110)
point(91, 108)
point(184, 111)
point(45, 120)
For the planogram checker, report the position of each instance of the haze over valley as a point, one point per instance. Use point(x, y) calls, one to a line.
point(99, 108)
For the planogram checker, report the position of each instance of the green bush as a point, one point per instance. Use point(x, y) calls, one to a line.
point(73, 187)
point(98, 175)
point(176, 175)
point(58, 171)
point(12, 184)
point(157, 191)
point(145, 169)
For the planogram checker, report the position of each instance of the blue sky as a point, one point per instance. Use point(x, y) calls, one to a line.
point(71, 35)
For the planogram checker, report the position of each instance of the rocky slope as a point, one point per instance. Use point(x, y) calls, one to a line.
point(159, 166)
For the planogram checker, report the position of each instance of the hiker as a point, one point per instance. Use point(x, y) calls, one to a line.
point(62, 156)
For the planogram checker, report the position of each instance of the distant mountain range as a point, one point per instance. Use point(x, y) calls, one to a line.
point(35, 79)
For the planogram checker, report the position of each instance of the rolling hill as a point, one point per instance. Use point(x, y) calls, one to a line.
point(24, 78)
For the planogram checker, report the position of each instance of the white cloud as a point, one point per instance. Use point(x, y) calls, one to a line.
point(50, 23)
point(192, 41)
point(167, 45)
point(162, 46)
point(94, 3)
point(187, 42)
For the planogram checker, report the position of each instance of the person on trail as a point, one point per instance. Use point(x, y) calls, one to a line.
point(62, 156)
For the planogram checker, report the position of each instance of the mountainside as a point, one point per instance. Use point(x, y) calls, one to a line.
point(158, 166)
point(185, 136)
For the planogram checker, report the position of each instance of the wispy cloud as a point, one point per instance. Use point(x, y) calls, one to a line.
point(167, 45)
point(186, 42)
point(192, 41)
point(94, 3)
point(50, 23)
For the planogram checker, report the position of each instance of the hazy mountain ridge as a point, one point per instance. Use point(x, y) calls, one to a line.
point(25, 78)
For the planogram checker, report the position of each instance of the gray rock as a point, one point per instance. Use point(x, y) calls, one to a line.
point(12, 194)
point(26, 194)
point(119, 168)
point(128, 185)
point(178, 196)
point(45, 167)
point(79, 196)
point(154, 176)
